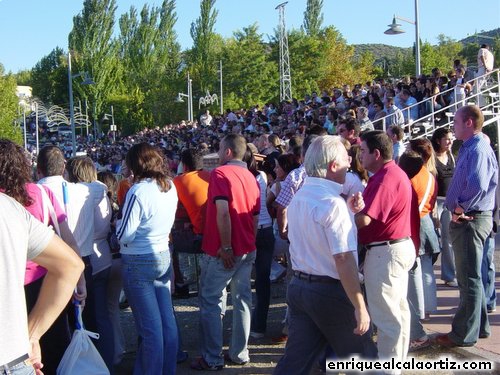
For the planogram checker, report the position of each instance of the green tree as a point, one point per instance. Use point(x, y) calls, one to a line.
point(313, 18)
point(249, 75)
point(49, 78)
point(364, 68)
point(9, 105)
point(151, 56)
point(336, 67)
point(203, 56)
point(95, 51)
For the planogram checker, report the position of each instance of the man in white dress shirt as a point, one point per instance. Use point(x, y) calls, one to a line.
point(324, 297)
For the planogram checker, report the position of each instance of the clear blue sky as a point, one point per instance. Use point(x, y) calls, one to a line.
point(31, 29)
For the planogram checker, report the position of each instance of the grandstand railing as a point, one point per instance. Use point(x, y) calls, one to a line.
point(485, 93)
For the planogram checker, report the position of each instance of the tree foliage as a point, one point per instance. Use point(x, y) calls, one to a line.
point(9, 105)
point(94, 51)
point(249, 74)
point(313, 18)
point(49, 78)
point(203, 56)
point(151, 57)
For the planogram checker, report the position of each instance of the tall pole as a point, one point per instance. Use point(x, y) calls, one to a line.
point(285, 76)
point(417, 41)
point(71, 109)
point(95, 122)
point(86, 117)
point(113, 124)
point(25, 130)
point(190, 99)
point(36, 127)
point(221, 100)
point(80, 116)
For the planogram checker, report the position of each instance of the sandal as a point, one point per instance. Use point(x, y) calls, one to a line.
point(199, 364)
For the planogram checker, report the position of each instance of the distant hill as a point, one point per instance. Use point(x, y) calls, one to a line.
point(384, 51)
point(479, 39)
point(380, 51)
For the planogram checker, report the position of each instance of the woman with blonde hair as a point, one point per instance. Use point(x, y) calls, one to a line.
point(143, 232)
point(81, 169)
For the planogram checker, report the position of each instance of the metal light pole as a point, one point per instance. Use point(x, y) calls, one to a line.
point(189, 97)
point(71, 110)
point(112, 127)
point(220, 78)
point(395, 28)
point(36, 127)
point(86, 117)
point(25, 137)
point(87, 81)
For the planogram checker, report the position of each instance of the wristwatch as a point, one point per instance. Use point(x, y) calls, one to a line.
point(227, 249)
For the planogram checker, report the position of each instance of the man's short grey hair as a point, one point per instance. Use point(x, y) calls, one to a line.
point(322, 151)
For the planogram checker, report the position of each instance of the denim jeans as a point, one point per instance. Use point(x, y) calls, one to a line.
point(488, 273)
point(319, 314)
point(263, 260)
point(416, 328)
point(447, 256)
point(471, 318)
point(19, 369)
point(214, 280)
point(146, 280)
point(105, 344)
point(115, 286)
point(416, 289)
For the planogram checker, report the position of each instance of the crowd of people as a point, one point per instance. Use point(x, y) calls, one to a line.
point(357, 214)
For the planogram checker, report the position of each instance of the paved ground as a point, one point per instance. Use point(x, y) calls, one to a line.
point(264, 354)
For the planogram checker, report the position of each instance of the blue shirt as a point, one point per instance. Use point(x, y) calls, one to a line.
point(476, 177)
point(148, 216)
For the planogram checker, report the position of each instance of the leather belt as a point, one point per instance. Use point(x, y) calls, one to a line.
point(14, 362)
point(386, 243)
point(472, 213)
point(264, 226)
point(315, 278)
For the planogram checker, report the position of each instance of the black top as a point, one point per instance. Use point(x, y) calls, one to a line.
point(444, 174)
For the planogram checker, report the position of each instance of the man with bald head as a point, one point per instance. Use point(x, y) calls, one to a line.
point(471, 199)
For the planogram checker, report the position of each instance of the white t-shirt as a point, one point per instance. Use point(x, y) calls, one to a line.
point(82, 201)
point(264, 217)
point(21, 237)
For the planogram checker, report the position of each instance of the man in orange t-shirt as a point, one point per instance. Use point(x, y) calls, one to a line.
point(192, 189)
point(124, 185)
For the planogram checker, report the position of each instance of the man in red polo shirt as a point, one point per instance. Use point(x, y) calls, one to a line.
point(384, 228)
point(229, 243)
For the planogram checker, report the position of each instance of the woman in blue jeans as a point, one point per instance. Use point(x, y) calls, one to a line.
point(143, 232)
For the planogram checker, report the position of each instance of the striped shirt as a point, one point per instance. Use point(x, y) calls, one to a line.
point(475, 179)
point(293, 182)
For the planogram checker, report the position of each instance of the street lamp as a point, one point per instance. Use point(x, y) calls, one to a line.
point(395, 28)
point(189, 96)
point(86, 81)
point(220, 78)
point(112, 127)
